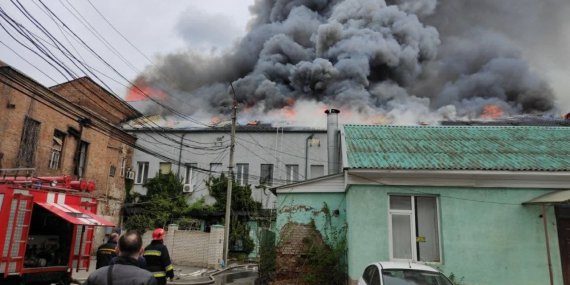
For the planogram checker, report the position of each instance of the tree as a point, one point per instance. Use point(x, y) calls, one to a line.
point(243, 207)
point(164, 203)
point(241, 195)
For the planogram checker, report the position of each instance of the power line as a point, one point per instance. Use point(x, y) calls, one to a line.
point(27, 61)
point(113, 27)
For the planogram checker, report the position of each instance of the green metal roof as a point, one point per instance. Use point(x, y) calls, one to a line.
point(506, 148)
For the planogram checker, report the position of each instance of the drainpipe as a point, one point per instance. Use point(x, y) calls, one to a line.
point(332, 140)
point(307, 155)
point(545, 221)
point(180, 155)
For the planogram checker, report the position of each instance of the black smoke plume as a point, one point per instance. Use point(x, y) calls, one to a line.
point(399, 61)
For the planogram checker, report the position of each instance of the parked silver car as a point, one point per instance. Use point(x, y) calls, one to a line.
point(401, 273)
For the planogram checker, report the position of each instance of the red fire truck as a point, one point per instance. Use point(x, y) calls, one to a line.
point(46, 228)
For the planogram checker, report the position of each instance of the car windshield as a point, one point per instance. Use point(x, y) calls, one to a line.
point(413, 277)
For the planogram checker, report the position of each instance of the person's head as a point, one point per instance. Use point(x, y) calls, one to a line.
point(158, 234)
point(130, 244)
point(114, 237)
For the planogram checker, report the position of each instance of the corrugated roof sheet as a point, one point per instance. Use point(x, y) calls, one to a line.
point(458, 147)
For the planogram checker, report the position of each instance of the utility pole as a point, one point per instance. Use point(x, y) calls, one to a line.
point(230, 180)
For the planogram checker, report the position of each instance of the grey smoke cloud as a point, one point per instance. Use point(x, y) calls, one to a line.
point(200, 29)
point(439, 59)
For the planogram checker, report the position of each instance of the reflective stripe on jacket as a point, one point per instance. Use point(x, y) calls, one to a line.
point(105, 253)
point(158, 260)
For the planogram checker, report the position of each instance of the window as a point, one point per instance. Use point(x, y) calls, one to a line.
point(266, 176)
point(242, 172)
point(142, 172)
point(123, 167)
point(412, 276)
point(215, 169)
point(28, 143)
point(292, 173)
point(190, 176)
point(81, 158)
point(219, 141)
point(165, 167)
point(371, 275)
point(414, 228)
point(56, 149)
point(112, 171)
point(317, 170)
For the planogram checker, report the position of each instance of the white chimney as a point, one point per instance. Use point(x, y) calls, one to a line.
point(333, 143)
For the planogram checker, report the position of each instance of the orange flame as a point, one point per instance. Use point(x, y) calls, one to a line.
point(141, 91)
point(289, 112)
point(215, 120)
point(491, 111)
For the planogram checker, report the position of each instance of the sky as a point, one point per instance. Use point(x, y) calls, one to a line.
point(154, 27)
point(160, 28)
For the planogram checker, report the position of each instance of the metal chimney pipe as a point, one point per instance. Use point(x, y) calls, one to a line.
point(333, 144)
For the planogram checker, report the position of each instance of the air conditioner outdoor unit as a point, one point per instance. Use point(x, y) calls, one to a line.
point(130, 175)
point(188, 188)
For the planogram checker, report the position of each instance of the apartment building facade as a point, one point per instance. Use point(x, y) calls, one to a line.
point(265, 157)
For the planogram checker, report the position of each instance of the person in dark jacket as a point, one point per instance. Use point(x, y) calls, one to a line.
point(106, 251)
point(141, 262)
point(126, 270)
point(157, 258)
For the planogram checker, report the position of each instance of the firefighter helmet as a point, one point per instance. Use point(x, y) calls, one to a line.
point(158, 234)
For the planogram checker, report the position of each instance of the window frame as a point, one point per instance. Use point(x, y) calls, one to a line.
point(290, 173)
point(29, 140)
point(189, 173)
point(412, 213)
point(53, 163)
point(144, 171)
point(164, 163)
point(214, 169)
point(271, 172)
point(321, 166)
point(244, 180)
point(81, 158)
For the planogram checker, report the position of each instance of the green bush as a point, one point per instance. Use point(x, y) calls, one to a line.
point(324, 264)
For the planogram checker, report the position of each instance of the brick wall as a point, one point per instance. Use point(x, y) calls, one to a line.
point(193, 248)
point(290, 248)
point(88, 94)
point(108, 145)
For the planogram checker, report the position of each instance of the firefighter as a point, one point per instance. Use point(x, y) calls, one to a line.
point(106, 251)
point(157, 258)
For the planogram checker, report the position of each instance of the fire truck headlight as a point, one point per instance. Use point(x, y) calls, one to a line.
point(53, 183)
